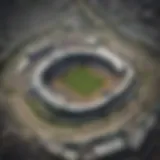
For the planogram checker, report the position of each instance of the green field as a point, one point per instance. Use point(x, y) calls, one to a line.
point(82, 80)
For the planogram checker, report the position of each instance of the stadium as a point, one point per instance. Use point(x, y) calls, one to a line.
point(73, 96)
point(91, 62)
point(82, 86)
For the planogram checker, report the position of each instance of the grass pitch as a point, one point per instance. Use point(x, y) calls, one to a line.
point(83, 81)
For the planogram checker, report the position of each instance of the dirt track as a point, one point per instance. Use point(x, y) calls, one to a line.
point(28, 119)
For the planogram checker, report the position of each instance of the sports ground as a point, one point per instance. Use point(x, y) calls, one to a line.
point(84, 83)
point(82, 80)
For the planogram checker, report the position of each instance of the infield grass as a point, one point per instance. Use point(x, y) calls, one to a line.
point(82, 80)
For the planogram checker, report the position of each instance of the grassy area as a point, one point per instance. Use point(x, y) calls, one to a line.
point(81, 80)
point(35, 106)
point(45, 115)
point(9, 90)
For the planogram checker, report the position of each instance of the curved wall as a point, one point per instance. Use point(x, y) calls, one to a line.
point(62, 65)
point(79, 113)
point(62, 114)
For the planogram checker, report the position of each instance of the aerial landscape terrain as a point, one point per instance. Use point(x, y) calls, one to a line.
point(79, 80)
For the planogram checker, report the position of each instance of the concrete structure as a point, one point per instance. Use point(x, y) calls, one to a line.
point(61, 60)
